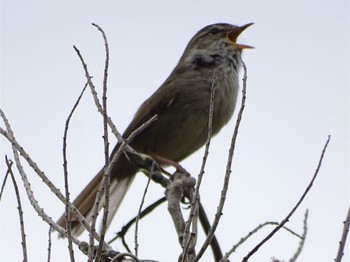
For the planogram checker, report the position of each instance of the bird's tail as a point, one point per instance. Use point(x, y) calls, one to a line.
point(121, 178)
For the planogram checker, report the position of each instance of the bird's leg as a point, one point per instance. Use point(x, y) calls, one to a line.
point(169, 162)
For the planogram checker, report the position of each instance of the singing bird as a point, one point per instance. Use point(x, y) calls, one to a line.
point(182, 105)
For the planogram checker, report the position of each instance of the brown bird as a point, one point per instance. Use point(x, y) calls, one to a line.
point(182, 105)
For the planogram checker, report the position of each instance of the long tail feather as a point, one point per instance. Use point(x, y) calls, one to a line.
point(121, 178)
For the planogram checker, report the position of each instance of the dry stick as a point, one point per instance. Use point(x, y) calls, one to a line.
point(206, 227)
point(49, 245)
point(120, 150)
point(66, 182)
point(4, 183)
point(124, 143)
point(94, 94)
point(101, 189)
point(16, 148)
point(186, 239)
point(343, 238)
point(98, 105)
point(284, 221)
point(106, 146)
point(250, 234)
point(302, 240)
point(20, 211)
point(140, 209)
point(123, 231)
point(228, 168)
point(10, 137)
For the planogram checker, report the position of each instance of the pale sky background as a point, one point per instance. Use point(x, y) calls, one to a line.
point(298, 94)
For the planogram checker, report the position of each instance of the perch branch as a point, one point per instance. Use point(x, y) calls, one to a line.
point(181, 185)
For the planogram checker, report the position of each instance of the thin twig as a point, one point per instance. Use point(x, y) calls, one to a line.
point(203, 218)
point(95, 96)
point(20, 210)
point(250, 234)
point(16, 148)
point(146, 211)
point(284, 221)
point(343, 238)
point(98, 104)
point(106, 151)
point(66, 181)
point(228, 168)
point(186, 239)
point(114, 160)
point(140, 211)
point(4, 183)
point(302, 239)
point(49, 245)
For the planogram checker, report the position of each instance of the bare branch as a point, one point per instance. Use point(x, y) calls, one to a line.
point(186, 238)
point(16, 148)
point(4, 182)
point(343, 238)
point(96, 100)
point(146, 211)
point(206, 227)
point(140, 209)
point(106, 150)
point(228, 168)
point(20, 211)
point(49, 245)
point(284, 221)
point(66, 181)
point(302, 240)
point(250, 234)
point(181, 184)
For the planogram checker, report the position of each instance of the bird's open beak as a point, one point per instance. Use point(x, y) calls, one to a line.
point(235, 32)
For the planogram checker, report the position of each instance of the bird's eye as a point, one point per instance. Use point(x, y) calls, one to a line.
point(214, 31)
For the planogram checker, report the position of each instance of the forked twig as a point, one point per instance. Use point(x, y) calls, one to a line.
point(251, 233)
point(17, 148)
point(284, 221)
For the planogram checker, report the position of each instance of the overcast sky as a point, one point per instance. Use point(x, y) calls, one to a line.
point(298, 94)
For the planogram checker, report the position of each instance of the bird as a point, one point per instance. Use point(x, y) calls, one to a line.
point(182, 105)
